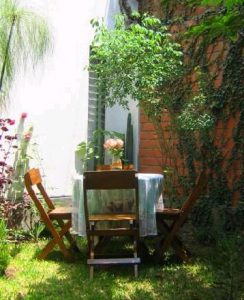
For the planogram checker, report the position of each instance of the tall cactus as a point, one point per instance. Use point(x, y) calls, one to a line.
point(129, 141)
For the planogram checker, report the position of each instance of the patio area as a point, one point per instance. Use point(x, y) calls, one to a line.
point(121, 149)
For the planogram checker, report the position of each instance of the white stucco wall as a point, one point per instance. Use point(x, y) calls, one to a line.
point(55, 96)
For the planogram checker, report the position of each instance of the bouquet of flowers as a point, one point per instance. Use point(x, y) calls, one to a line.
point(114, 147)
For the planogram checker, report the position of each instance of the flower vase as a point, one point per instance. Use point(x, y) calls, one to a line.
point(116, 163)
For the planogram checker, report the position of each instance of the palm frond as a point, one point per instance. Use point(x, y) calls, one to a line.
point(25, 44)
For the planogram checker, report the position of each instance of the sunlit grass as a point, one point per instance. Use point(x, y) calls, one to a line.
point(57, 279)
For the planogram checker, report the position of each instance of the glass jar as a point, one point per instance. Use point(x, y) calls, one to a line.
point(116, 163)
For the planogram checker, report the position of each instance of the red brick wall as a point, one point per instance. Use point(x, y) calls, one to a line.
point(150, 157)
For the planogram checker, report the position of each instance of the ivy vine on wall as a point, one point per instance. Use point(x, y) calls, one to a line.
point(213, 54)
point(200, 88)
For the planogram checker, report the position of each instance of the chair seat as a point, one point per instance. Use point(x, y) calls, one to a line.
point(60, 212)
point(169, 211)
point(112, 217)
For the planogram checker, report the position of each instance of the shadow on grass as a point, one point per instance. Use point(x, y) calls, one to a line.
point(172, 281)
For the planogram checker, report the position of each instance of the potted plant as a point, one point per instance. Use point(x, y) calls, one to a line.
point(84, 152)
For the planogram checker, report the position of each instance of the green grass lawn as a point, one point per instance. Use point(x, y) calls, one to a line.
point(55, 278)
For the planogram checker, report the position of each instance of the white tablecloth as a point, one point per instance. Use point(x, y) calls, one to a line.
point(150, 197)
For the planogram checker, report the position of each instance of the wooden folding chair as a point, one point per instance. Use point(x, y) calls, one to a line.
point(176, 218)
point(111, 180)
point(60, 214)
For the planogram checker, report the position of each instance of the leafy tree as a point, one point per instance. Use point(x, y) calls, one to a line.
point(140, 60)
point(24, 38)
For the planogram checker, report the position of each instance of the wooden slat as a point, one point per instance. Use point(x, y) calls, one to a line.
point(113, 261)
point(105, 180)
point(112, 217)
point(60, 213)
point(113, 232)
point(169, 211)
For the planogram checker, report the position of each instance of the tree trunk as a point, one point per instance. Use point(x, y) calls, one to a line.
point(6, 53)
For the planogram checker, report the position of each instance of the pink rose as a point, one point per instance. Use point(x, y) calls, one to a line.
point(114, 147)
point(105, 145)
point(120, 143)
point(23, 115)
point(109, 144)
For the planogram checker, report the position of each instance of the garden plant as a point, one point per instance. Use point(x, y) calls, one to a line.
point(141, 59)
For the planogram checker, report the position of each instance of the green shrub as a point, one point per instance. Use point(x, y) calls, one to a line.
point(4, 247)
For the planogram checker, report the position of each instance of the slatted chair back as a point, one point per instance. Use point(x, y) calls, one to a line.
point(105, 180)
point(111, 180)
point(33, 178)
point(194, 195)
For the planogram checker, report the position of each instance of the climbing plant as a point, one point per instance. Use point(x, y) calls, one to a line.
point(223, 18)
point(213, 46)
point(198, 87)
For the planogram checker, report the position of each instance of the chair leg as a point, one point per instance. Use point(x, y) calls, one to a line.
point(135, 255)
point(136, 271)
point(67, 234)
point(91, 272)
point(60, 241)
point(70, 238)
point(49, 247)
point(176, 243)
point(170, 240)
point(91, 240)
point(91, 254)
point(56, 241)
